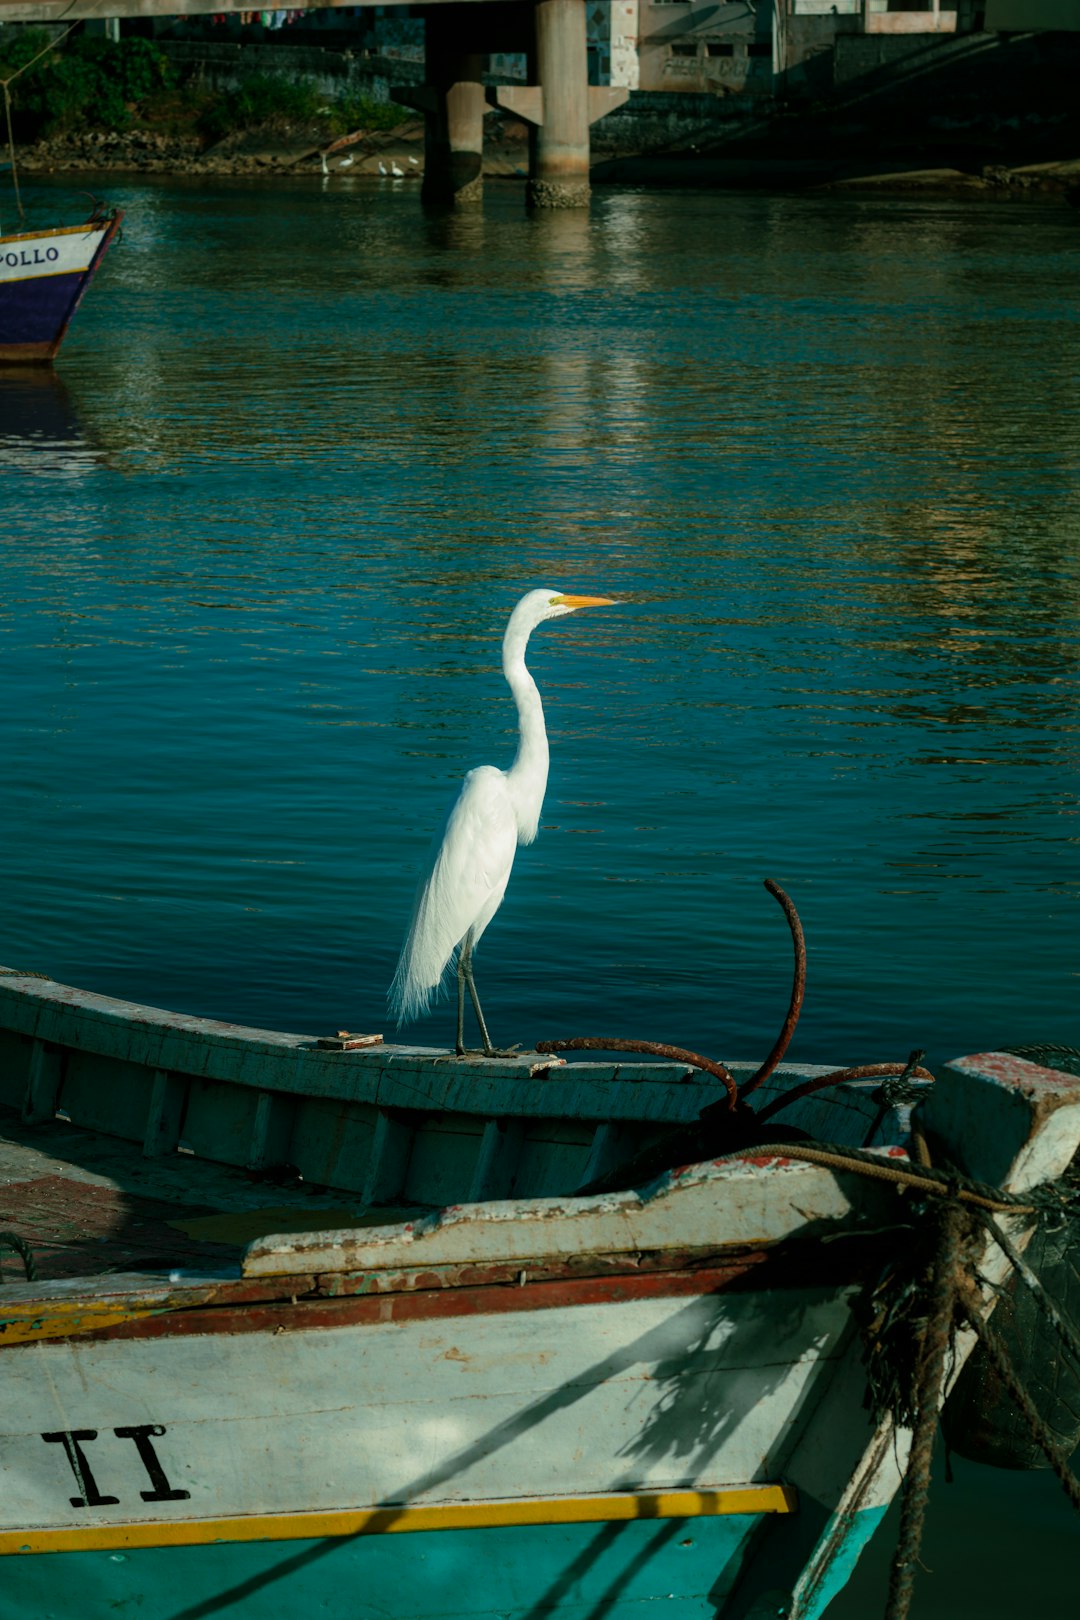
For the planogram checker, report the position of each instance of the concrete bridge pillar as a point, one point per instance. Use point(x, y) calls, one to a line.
point(559, 166)
point(559, 104)
point(454, 116)
point(453, 104)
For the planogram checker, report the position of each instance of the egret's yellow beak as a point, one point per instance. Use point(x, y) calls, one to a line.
point(585, 601)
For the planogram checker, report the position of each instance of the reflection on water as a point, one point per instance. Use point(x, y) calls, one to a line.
point(251, 601)
point(40, 434)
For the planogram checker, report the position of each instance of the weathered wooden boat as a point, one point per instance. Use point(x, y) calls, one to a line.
point(328, 1327)
point(43, 275)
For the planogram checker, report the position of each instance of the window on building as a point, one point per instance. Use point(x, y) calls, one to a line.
point(685, 50)
point(716, 48)
point(759, 47)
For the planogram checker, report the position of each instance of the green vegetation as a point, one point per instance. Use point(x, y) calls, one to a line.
point(271, 101)
point(353, 111)
point(90, 82)
point(94, 83)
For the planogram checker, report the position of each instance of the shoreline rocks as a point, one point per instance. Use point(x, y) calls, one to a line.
point(299, 153)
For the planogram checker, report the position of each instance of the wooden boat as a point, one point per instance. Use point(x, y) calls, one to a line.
point(326, 1327)
point(43, 275)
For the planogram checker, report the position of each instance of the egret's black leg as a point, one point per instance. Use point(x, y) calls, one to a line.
point(465, 973)
point(461, 1002)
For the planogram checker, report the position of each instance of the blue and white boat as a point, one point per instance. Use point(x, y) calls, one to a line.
point(43, 275)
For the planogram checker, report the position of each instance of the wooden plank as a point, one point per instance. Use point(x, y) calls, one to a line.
point(493, 1173)
point(389, 1163)
point(271, 1132)
point(15, 1053)
point(220, 1119)
point(603, 1152)
point(331, 1141)
point(103, 1094)
point(42, 1083)
point(741, 1202)
point(442, 1158)
point(165, 1114)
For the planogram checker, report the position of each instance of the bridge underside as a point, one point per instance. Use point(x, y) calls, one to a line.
point(68, 11)
point(558, 103)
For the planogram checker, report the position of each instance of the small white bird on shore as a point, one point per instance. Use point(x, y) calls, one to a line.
point(415, 162)
point(398, 174)
point(325, 165)
point(382, 167)
point(346, 162)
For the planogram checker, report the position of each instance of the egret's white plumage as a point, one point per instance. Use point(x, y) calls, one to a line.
point(494, 813)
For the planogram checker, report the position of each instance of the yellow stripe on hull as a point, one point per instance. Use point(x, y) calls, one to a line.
point(27, 1324)
point(386, 1520)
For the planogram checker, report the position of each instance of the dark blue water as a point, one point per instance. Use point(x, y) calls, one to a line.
point(306, 448)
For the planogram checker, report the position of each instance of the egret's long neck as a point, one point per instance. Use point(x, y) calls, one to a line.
point(527, 776)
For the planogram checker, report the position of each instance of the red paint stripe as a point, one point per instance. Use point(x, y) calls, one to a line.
point(802, 1266)
point(425, 1305)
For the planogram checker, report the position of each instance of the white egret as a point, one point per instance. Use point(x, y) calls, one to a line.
point(398, 173)
point(494, 812)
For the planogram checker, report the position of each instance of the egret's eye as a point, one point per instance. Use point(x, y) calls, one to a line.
point(555, 601)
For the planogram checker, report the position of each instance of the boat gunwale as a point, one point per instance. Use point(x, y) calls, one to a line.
point(62, 230)
point(217, 1050)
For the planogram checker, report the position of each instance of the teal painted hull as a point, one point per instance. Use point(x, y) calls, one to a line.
point(848, 1542)
point(579, 1570)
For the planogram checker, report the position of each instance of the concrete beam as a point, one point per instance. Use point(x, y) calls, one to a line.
point(69, 11)
point(527, 101)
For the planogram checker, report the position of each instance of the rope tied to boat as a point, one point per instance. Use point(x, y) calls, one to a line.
point(917, 1405)
point(909, 1320)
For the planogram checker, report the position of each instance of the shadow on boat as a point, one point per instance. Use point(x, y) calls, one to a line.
point(732, 1352)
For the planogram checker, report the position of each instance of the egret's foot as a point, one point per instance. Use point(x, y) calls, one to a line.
point(489, 1051)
